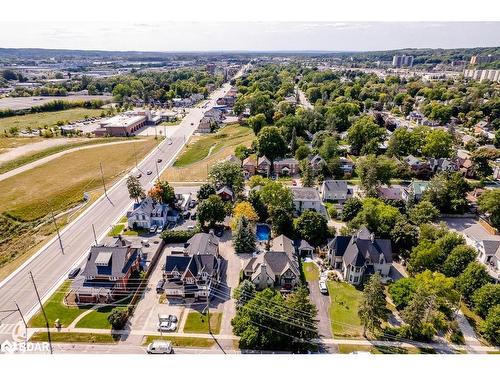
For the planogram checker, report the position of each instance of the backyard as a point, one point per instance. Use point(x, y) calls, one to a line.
point(36, 120)
point(205, 150)
point(345, 300)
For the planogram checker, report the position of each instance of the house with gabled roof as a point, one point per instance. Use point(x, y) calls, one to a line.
point(277, 268)
point(286, 167)
point(360, 255)
point(316, 162)
point(249, 166)
point(189, 276)
point(147, 213)
point(264, 165)
point(307, 198)
point(414, 191)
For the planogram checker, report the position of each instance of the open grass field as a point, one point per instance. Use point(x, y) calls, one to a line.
point(61, 183)
point(345, 300)
point(36, 120)
point(197, 322)
point(8, 143)
point(31, 157)
point(56, 309)
point(99, 318)
point(181, 342)
point(205, 150)
point(87, 338)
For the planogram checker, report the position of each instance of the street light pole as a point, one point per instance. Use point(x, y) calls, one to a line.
point(24, 322)
point(102, 177)
point(43, 311)
point(57, 230)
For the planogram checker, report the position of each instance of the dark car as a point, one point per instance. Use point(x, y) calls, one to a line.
point(186, 215)
point(160, 160)
point(219, 231)
point(192, 204)
point(186, 245)
point(193, 216)
point(159, 286)
point(74, 273)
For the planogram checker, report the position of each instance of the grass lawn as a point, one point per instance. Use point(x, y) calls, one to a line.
point(27, 196)
point(181, 342)
point(9, 143)
point(206, 150)
point(55, 309)
point(29, 158)
point(345, 300)
point(349, 348)
point(76, 337)
point(117, 229)
point(99, 318)
point(310, 270)
point(197, 322)
point(36, 120)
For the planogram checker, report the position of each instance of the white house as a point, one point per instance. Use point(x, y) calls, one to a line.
point(147, 213)
point(307, 198)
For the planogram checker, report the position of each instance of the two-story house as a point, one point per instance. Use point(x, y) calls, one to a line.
point(147, 213)
point(307, 198)
point(360, 255)
point(286, 167)
point(277, 268)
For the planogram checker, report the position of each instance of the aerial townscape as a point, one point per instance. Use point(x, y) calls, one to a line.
point(250, 202)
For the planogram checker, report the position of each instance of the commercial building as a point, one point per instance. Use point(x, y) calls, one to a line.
point(399, 61)
point(123, 125)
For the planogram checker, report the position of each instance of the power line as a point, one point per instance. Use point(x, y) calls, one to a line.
point(43, 310)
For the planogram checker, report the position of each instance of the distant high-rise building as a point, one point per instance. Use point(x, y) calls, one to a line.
point(211, 68)
point(478, 59)
point(399, 61)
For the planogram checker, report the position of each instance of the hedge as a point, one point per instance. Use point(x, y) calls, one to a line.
point(175, 236)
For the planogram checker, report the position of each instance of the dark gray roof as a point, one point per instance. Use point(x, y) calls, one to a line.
point(491, 246)
point(194, 264)
point(118, 260)
point(335, 185)
point(149, 207)
point(304, 245)
point(203, 243)
point(278, 261)
point(305, 194)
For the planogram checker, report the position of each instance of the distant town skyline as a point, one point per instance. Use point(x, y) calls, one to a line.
point(248, 36)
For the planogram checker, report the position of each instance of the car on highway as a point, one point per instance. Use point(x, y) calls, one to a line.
point(160, 160)
point(74, 273)
point(153, 229)
point(167, 326)
point(322, 287)
point(160, 347)
point(138, 175)
point(148, 172)
point(192, 124)
point(169, 142)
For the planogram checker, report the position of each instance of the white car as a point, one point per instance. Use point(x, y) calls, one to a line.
point(160, 347)
point(322, 287)
point(167, 326)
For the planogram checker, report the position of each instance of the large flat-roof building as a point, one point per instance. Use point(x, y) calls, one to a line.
point(121, 125)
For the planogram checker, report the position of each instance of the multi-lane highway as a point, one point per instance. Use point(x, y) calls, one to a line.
point(50, 266)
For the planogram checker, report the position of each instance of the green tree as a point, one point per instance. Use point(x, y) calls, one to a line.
point(271, 143)
point(402, 291)
point(135, 189)
point(302, 152)
point(242, 152)
point(307, 174)
point(257, 122)
point(482, 157)
point(276, 195)
point(438, 143)
point(423, 212)
point(458, 260)
point(485, 298)
point(211, 210)
point(329, 148)
point(490, 328)
point(473, 278)
point(372, 310)
point(351, 208)
point(118, 318)
point(243, 237)
point(489, 202)
point(374, 171)
point(404, 235)
point(402, 142)
point(377, 216)
point(447, 192)
point(259, 206)
point(244, 292)
point(226, 173)
point(163, 192)
point(418, 311)
point(364, 136)
point(312, 227)
point(281, 221)
point(205, 191)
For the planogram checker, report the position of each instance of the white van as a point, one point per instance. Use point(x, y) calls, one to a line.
point(160, 347)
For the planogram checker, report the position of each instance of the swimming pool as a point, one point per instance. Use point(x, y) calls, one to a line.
point(263, 232)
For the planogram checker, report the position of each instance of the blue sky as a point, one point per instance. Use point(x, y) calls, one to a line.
point(260, 36)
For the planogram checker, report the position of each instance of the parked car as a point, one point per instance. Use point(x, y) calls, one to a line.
point(159, 230)
point(193, 216)
point(160, 160)
point(219, 231)
point(193, 204)
point(190, 227)
point(322, 287)
point(160, 347)
point(167, 326)
point(153, 229)
point(169, 142)
point(138, 175)
point(160, 286)
point(186, 215)
point(167, 318)
point(74, 273)
point(148, 172)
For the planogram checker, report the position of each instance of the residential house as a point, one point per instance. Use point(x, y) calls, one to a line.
point(225, 193)
point(414, 191)
point(487, 246)
point(346, 165)
point(278, 268)
point(418, 166)
point(390, 193)
point(189, 276)
point(249, 166)
point(234, 159)
point(442, 165)
point(335, 190)
point(360, 255)
point(264, 165)
point(216, 114)
point(286, 167)
point(107, 271)
point(307, 198)
point(316, 162)
point(147, 213)
point(206, 125)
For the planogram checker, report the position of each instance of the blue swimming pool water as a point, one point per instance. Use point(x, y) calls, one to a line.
point(262, 232)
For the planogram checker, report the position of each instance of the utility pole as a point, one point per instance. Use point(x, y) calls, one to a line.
point(57, 230)
point(135, 156)
point(43, 311)
point(102, 177)
point(157, 173)
point(95, 237)
point(24, 322)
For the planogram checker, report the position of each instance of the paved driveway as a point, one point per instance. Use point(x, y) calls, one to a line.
point(322, 303)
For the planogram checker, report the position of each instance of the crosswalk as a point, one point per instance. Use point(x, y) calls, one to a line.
point(7, 328)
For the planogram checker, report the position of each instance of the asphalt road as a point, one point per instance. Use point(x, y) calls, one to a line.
point(50, 266)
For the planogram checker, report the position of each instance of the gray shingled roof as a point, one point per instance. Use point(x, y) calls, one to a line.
point(118, 259)
point(203, 243)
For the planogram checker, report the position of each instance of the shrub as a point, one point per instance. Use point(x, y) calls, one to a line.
point(118, 318)
point(176, 236)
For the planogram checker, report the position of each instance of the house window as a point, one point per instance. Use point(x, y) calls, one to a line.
point(350, 278)
point(356, 279)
